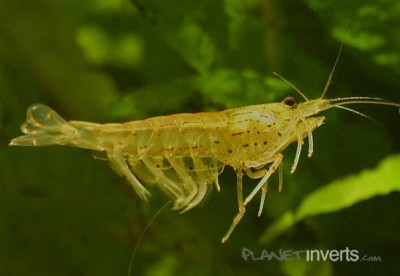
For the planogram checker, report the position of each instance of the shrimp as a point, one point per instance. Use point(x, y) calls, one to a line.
point(183, 154)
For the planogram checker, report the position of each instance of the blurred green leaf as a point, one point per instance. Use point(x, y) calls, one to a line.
point(364, 25)
point(230, 88)
point(180, 24)
point(173, 94)
point(362, 40)
point(340, 194)
point(52, 57)
point(101, 49)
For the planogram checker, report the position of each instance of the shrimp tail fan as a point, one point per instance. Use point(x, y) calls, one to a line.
point(44, 127)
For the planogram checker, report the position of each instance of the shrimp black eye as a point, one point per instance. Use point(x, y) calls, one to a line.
point(289, 101)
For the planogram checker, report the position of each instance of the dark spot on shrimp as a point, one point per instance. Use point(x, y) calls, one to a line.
point(216, 142)
point(265, 142)
point(237, 133)
point(245, 145)
point(279, 134)
point(230, 151)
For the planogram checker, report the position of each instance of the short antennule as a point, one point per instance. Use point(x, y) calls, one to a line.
point(291, 85)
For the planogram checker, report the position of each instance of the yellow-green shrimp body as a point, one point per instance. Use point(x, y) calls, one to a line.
point(183, 154)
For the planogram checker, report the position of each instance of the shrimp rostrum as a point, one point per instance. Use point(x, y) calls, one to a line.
point(183, 154)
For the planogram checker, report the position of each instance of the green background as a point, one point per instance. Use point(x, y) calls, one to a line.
point(64, 213)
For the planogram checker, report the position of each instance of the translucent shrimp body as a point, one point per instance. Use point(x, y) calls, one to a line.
point(183, 154)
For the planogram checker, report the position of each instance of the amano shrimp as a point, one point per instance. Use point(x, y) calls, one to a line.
point(183, 154)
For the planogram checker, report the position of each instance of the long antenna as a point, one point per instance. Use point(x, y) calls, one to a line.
point(142, 236)
point(328, 82)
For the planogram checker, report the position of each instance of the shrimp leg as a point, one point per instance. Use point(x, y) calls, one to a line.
point(298, 151)
point(271, 170)
point(264, 189)
point(242, 204)
point(165, 183)
point(119, 164)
